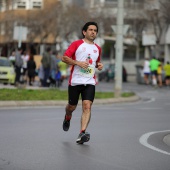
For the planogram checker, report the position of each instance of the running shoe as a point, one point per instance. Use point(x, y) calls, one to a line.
point(83, 137)
point(66, 124)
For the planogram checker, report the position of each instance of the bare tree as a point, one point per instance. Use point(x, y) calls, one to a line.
point(159, 19)
point(165, 8)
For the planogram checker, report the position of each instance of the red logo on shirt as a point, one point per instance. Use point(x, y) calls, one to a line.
point(95, 51)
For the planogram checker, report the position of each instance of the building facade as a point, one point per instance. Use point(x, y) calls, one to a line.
point(138, 30)
point(17, 20)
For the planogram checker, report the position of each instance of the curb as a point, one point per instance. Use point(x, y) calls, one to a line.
point(64, 102)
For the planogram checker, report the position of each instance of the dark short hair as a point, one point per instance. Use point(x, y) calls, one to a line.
point(31, 57)
point(48, 49)
point(85, 27)
point(19, 49)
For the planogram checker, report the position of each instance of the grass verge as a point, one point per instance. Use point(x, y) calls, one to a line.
point(49, 94)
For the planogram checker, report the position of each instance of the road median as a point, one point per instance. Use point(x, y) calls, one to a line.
point(64, 102)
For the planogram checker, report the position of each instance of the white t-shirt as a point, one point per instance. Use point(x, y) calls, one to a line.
point(12, 58)
point(25, 58)
point(146, 68)
point(82, 51)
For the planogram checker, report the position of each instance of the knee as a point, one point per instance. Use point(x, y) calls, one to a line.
point(71, 108)
point(87, 106)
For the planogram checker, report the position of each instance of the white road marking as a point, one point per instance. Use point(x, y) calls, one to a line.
point(156, 108)
point(144, 141)
point(151, 100)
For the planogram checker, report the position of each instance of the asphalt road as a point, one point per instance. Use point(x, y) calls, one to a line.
point(124, 136)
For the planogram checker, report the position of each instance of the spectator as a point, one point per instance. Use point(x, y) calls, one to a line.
point(58, 77)
point(167, 73)
point(154, 63)
point(25, 58)
point(31, 65)
point(18, 66)
point(12, 58)
point(159, 74)
point(41, 75)
point(63, 69)
point(46, 62)
point(146, 71)
point(53, 65)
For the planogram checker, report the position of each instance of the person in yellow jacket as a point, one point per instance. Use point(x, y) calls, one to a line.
point(167, 73)
point(159, 74)
point(63, 69)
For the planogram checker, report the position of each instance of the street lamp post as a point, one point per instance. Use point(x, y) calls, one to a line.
point(119, 49)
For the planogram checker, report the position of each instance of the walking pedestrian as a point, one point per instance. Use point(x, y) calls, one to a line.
point(84, 56)
point(146, 71)
point(154, 63)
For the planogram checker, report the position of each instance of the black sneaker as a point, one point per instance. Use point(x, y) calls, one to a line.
point(66, 124)
point(83, 137)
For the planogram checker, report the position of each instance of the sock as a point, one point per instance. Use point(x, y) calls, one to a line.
point(154, 82)
point(82, 131)
point(68, 117)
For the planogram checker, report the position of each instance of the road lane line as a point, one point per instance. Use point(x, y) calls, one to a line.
point(151, 108)
point(144, 141)
point(151, 100)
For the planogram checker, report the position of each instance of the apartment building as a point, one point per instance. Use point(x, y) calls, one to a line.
point(14, 18)
point(21, 4)
point(13, 11)
point(147, 34)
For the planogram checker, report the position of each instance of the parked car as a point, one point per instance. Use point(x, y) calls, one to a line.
point(7, 71)
point(108, 73)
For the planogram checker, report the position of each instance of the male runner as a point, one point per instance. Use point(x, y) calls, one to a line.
point(84, 56)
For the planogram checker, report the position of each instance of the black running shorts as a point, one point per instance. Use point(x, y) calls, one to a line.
point(154, 72)
point(87, 93)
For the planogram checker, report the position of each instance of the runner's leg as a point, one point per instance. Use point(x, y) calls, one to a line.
point(69, 110)
point(73, 94)
point(87, 94)
point(86, 115)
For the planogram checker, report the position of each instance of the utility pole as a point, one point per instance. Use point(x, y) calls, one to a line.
point(119, 49)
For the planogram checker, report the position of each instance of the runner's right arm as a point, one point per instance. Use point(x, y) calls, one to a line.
point(70, 61)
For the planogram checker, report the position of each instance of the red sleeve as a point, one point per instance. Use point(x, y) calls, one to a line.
point(100, 51)
point(70, 52)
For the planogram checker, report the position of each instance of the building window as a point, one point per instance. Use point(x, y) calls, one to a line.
point(111, 0)
point(2, 29)
point(21, 4)
point(36, 4)
point(2, 5)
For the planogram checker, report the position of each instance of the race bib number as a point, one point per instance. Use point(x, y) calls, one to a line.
point(89, 72)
